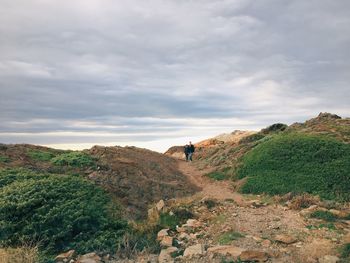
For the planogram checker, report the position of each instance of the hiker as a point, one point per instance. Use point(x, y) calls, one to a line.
point(191, 151)
point(186, 151)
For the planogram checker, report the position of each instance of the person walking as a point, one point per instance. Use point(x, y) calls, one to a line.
point(186, 151)
point(191, 149)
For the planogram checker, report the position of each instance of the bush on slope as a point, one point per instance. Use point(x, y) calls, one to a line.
point(298, 163)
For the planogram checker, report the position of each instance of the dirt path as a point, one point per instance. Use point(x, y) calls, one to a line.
point(220, 190)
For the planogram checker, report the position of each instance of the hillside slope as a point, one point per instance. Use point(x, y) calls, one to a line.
point(136, 177)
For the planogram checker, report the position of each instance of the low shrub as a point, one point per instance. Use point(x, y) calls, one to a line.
point(74, 159)
point(59, 211)
point(228, 237)
point(298, 163)
point(345, 251)
point(176, 218)
point(218, 176)
point(38, 155)
point(4, 159)
point(252, 138)
point(324, 215)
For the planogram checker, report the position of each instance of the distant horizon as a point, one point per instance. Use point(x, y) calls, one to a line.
point(154, 73)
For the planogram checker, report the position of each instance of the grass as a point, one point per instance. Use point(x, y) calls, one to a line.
point(298, 163)
point(27, 254)
point(218, 176)
point(228, 237)
point(324, 215)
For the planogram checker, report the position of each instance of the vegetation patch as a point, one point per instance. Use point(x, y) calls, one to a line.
point(74, 159)
point(218, 176)
point(176, 218)
point(228, 237)
point(4, 159)
point(58, 212)
point(345, 251)
point(298, 163)
point(38, 155)
point(324, 215)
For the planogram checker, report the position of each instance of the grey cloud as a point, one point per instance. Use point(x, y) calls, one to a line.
point(121, 62)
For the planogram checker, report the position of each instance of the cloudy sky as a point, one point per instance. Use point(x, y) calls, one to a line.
point(154, 73)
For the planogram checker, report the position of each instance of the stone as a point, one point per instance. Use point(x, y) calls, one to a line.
point(162, 233)
point(65, 257)
point(328, 259)
point(184, 236)
point(285, 239)
point(266, 243)
point(165, 255)
point(224, 250)
point(192, 223)
point(160, 205)
point(194, 250)
point(180, 229)
point(254, 255)
point(167, 241)
point(89, 258)
point(339, 213)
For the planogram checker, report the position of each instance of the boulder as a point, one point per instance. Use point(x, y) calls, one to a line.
point(160, 205)
point(162, 233)
point(253, 255)
point(328, 259)
point(192, 223)
point(167, 241)
point(65, 257)
point(285, 239)
point(89, 258)
point(233, 251)
point(194, 250)
point(165, 255)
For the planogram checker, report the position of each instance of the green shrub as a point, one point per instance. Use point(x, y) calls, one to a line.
point(277, 127)
point(178, 217)
point(345, 251)
point(4, 159)
point(40, 155)
point(74, 159)
point(298, 163)
point(218, 176)
point(228, 237)
point(324, 215)
point(60, 212)
point(252, 138)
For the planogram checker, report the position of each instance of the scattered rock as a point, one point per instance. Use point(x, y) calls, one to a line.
point(165, 255)
point(184, 236)
point(266, 243)
point(167, 241)
point(192, 223)
point(162, 233)
point(160, 205)
point(194, 250)
point(89, 258)
point(224, 250)
point(253, 255)
point(328, 259)
point(65, 257)
point(285, 239)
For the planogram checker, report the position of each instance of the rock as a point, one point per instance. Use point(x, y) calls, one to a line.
point(180, 229)
point(184, 236)
point(165, 255)
point(192, 223)
point(308, 210)
point(266, 243)
point(253, 255)
point(339, 213)
point(285, 239)
point(65, 257)
point(89, 258)
point(160, 205)
point(224, 250)
point(167, 241)
point(194, 250)
point(328, 259)
point(162, 233)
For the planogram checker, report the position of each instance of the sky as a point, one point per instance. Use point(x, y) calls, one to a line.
point(156, 73)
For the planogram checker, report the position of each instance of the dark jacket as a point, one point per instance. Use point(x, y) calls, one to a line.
point(187, 149)
point(191, 148)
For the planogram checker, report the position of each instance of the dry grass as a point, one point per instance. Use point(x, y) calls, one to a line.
point(297, 202)
point(27, 254)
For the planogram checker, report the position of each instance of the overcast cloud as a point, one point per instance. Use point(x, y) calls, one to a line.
point(158, 72)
